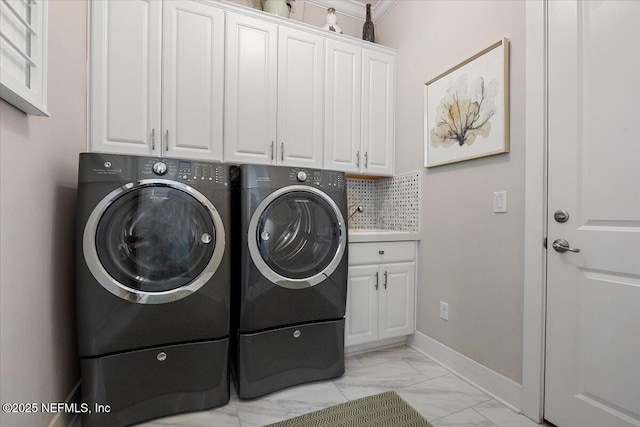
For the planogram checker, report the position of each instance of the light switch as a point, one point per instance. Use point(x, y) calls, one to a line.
point(500, 202)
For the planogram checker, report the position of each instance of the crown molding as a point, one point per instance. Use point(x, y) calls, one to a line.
point(357, 9)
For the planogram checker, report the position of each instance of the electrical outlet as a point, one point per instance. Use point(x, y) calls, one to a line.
point(444, 310)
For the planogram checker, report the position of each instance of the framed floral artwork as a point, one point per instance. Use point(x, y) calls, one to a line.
point(466, 108)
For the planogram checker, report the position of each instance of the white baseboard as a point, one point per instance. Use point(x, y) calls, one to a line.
point(501, 388)
point(352, 350)
point(67, 419)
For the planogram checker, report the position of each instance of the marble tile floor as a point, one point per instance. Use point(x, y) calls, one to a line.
point(440, 396)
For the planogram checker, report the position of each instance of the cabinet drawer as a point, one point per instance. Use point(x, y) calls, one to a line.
point(381, 252)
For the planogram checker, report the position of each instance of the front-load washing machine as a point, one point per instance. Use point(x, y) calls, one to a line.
point(289, 275)
point(152, 286)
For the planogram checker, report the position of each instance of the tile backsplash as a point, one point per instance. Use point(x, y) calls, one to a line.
point(389, 203)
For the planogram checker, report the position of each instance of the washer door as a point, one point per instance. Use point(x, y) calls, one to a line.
point(153, 242)
point(297, 237)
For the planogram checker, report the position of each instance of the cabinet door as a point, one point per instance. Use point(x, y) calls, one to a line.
point(397, 284)
point(378, 115)
point(250, 90)
point(361, 318)
point(343, 107)
point(125, 76)
point(300, 98)
point(192, 80)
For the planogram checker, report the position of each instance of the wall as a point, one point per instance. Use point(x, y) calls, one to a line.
point(38, 174)
point(469, 256)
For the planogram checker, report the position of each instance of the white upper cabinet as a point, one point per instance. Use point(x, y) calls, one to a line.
point(300, 98)
point(125, 76)
point(359, 109)
point(343, 106)
point(378, 115)
point(273, 111)
point(153, 99)
point(192, 80)
point(216, 81)
point(250, 90)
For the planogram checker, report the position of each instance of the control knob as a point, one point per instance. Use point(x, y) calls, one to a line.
point(159, 168)
point(301, 176)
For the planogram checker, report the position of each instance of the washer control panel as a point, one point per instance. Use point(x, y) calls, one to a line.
point(318, 178)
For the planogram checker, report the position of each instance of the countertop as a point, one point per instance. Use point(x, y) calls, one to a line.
point(357, 235)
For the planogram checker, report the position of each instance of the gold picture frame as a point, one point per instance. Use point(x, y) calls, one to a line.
point(466, 109)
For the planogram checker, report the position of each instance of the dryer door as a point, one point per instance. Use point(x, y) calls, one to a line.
point(153, 242)
point(297, 237)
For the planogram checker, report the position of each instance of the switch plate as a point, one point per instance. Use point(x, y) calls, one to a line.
point(444, 310)
point(500, 202)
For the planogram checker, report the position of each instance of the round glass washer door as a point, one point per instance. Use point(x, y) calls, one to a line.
point(297, 237)
point(153, 242)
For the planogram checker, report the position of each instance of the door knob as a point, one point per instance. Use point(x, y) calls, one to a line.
point(561, 245)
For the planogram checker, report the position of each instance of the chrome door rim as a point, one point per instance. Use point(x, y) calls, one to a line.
point(278, 279)
point(141, 297)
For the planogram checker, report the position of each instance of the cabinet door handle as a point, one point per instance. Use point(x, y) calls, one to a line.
point(366, 159)
point(385, 280)
point(377, 280)
point(167, 136)
point(282, 151)
point(153, 139)
point(381, 252)
point(271, 150)
point(358, 159)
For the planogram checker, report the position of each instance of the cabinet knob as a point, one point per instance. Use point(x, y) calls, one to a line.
point(381, 252)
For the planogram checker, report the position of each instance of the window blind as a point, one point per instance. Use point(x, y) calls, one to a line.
point(23, 54)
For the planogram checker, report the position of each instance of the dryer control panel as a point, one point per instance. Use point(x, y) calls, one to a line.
point(268, 176)
point(318, 178)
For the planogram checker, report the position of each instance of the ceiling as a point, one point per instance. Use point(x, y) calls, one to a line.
point(357, 8)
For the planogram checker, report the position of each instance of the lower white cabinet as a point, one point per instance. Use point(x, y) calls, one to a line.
point(380, 291)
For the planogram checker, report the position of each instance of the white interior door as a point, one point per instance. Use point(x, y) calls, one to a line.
point(593, 297)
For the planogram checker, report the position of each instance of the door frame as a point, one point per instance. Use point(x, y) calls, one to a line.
point(535, 231)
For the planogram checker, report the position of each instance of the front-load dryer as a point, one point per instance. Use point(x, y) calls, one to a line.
point(152, 286)
point(290, 276)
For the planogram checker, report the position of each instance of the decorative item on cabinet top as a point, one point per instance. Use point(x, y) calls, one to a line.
point(368, 32)
point(331, 22)
point(278, 7)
